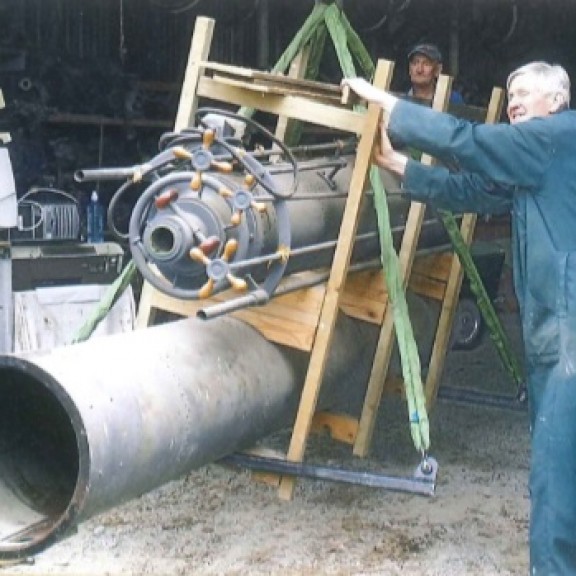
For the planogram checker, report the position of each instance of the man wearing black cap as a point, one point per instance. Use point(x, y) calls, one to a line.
point(424, 67)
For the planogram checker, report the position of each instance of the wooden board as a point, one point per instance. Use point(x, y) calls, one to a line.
point(275, 83)
point(340, 264)
point(293, 106)
point(386, 340)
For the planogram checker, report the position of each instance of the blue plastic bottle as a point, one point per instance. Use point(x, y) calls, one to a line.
point(95, 220)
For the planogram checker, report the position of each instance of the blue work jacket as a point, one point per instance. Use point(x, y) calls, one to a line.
point(529, 167)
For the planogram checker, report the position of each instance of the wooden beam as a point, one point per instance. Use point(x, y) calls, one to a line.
point(199, 50)
point(330, 307)
point(297, 107)
point(386, 340)
point(437, 359)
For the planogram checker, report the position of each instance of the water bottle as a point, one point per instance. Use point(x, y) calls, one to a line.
point(95, 220)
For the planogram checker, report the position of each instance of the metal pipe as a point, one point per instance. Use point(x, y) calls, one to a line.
point(96, 174)
point(91, 425)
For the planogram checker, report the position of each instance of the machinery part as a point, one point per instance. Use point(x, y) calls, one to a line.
point(468, 325)
point(170, 220)
point(249, 162)
point(75, 440)
point(471, 397)
point(275, 237)
point(134, 173)
point(198, 205)
point(422, 482)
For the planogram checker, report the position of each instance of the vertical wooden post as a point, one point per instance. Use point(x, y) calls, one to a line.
point(438, 357)
point(199, 51)
point(386, 340)
point(336, 282)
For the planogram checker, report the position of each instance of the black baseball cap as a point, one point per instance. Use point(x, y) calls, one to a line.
point(430, 50)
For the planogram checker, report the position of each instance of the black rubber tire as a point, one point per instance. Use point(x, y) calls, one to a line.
point(468, 325)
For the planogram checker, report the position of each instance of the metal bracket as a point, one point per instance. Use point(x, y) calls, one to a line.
point(422, 482)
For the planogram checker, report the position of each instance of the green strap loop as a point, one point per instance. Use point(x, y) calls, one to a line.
point(493, 324)
point(411, 369)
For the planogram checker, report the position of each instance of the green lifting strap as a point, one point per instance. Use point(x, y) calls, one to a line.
point(339, 31)
point(110, 297)
point(330, 16)
point(348, 45)
point(494, 325)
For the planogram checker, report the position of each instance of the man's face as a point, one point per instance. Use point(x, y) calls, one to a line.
point(423, 71)
point(527, 100)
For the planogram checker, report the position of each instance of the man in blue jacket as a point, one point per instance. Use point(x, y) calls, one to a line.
point(528, 165)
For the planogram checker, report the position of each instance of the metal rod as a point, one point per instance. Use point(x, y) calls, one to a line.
point(415, 485)
point(473, 397)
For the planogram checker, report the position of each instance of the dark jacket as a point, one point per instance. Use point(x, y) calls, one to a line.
point(533, 162)
point(533, 165)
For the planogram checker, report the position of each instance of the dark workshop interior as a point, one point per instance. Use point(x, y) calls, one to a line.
point(96, 83)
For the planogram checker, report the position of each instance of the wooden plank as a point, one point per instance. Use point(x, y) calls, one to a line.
point(365, 296)
point(427, 287)
point(199, 50)
point(289, 320)
point(429, 275)
point(296, 107)
point(278, 89)
point(386, 340)
point(445, 321)
point(336, 281)
point(280, 80)
point(436, 266)
point(341, 427)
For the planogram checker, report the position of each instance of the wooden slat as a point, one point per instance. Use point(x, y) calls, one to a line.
point(341, 427)
point(429, 275)
point(435, 266)
point(278, 89)
point(454, 283)
point(297, 107)
point(365, 296)
point(290, 82)
point(386, 340)
point(336, 282)
point(199, 50)
point(289, 320)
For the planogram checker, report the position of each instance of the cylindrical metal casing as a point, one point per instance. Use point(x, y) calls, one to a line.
point(86, 427)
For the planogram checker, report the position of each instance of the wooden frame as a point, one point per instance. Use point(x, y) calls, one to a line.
point(312, 312)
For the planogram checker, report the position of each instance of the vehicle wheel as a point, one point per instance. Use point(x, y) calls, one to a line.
point(468, 325)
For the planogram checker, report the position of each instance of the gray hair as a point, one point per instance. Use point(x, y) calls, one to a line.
point(555, 80)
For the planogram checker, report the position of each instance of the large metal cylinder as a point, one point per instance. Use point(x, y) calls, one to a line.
point(86, 427)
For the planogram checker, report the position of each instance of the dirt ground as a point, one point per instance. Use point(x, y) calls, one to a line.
point(219, 521)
